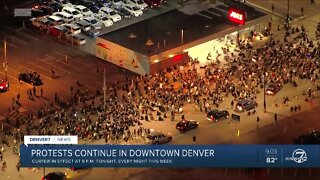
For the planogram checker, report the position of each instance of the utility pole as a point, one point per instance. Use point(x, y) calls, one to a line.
point(5, 64)
point(104, 89)
point(264, 86)
point(288, 13)
point(182, 36)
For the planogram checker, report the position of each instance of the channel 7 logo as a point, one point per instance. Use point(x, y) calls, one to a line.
point(299, 156)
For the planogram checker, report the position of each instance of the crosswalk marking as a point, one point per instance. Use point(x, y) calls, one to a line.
point(200, 14)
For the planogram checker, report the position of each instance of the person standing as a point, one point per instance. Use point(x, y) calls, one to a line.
point(18, 166)
point(41, 92)
point(18, 97)
point(34, 91)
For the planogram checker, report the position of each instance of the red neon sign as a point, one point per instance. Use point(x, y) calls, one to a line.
point(177, 58)
point(236, 16)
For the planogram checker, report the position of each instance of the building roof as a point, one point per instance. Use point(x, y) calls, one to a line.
point(163, 32)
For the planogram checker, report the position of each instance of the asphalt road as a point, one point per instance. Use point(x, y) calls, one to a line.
point(29, 50)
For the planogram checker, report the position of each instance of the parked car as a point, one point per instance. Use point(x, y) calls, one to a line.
point(4, 85)
point(133, 9)
point(75, 13)
point(66, 17)
point(110, 13)
point(57, 7)
point(118, 3)
point(106, 21)
point(94, 8)
point(245, 104)
point(40, 22)
point(72, 28)
point(55, 176)
point(312, 138)
point(32, 78)
point(185, 125)
point(76, 40)
point(140, 3)
point(123, 13)
point(102, 3)
point(55, 20)
point(84, 10)
point(95, 23)
point(59, 31)
point(64, 3)
point(156, 137)
point(92, 33)
point(41, 10)
point(153, 3)
point(217, 114)
point(273, 88)
point(84, 25)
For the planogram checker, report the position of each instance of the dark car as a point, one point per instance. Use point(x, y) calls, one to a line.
point(273, 89)
point(185, 125)
point(217, 114)
point(245, 104)
point(94, 8)
point(55, 176)
point(123, 13)
point(56, 6)
point(4, 85)
point(32, 78)
point(41, 10)
point(312, 138)
point(153, 3)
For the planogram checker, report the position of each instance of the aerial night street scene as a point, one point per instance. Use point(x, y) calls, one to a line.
point(155, 72)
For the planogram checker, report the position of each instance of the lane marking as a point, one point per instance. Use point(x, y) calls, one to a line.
point(53, 64)
point(40, 67)
point(63, 62)
point(73, 59)
point(12, 45)
point(29, 36)
point(15, 39)
point(41, 75)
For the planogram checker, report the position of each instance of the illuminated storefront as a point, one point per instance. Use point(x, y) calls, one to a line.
point(147, 48)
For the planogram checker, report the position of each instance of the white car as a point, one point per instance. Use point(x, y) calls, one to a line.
point(64, 3)
point(106, 21)
point(66, 17)
point(95, 23)
point(133, 9)
point(140, 3)
point(76, 40)
point(84, 26)
point(76, 14)
point(83, 10)
point(55, 20)
point(110, 13)
point(118, 3)
point(74, 29)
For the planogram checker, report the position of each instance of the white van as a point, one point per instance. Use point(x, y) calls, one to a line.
point(66, 17)
point(75, 13)
point(55, 20)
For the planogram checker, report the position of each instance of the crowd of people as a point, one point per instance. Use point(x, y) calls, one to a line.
point(163, 95)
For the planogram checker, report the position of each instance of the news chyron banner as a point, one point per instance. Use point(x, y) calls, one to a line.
point(45, 151)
